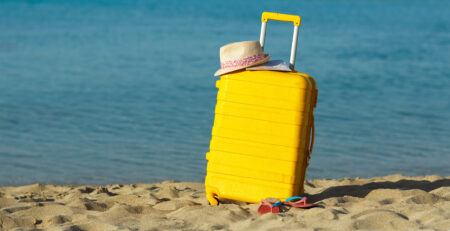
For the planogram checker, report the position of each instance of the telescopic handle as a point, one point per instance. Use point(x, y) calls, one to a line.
point(266, 16)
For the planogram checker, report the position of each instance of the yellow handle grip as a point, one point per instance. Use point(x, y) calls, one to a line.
point(281, 17)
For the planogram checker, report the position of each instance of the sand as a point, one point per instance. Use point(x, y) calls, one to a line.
point(392, 202)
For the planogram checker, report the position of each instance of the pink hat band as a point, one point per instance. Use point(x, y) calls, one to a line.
point(242, 62)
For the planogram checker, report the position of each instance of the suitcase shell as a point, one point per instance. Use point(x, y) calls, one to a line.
point(261, 136)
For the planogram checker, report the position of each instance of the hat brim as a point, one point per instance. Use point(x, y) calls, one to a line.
point(228, 70)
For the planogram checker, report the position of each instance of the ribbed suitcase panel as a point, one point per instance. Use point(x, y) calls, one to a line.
point(268, 151)
point(260, 135)
point(247, 189)
point(260, 168)
point(260, 113)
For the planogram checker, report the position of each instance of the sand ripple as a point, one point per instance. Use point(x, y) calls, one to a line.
point(392, 202)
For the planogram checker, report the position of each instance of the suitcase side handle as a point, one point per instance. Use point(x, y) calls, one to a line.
point(311, 145)
point(281, 17)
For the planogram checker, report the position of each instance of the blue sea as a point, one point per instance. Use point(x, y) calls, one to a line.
point(102, 92)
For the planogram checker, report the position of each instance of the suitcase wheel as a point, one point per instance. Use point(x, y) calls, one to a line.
point(212, 199)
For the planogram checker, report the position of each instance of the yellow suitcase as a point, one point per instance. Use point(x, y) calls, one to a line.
point(263, 131)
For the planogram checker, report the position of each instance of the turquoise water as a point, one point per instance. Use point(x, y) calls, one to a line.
point(123, 91)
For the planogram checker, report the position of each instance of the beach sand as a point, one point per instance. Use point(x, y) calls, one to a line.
point(392, 202)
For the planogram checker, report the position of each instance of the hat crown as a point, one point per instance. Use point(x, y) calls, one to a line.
point(240, 50)
point(239, 55)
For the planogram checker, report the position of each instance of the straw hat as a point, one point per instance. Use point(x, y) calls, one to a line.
point(240, 55)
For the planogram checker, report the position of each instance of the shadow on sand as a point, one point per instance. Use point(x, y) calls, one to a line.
point(362, 190)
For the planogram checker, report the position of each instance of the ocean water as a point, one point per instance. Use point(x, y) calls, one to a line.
point(100, 92)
